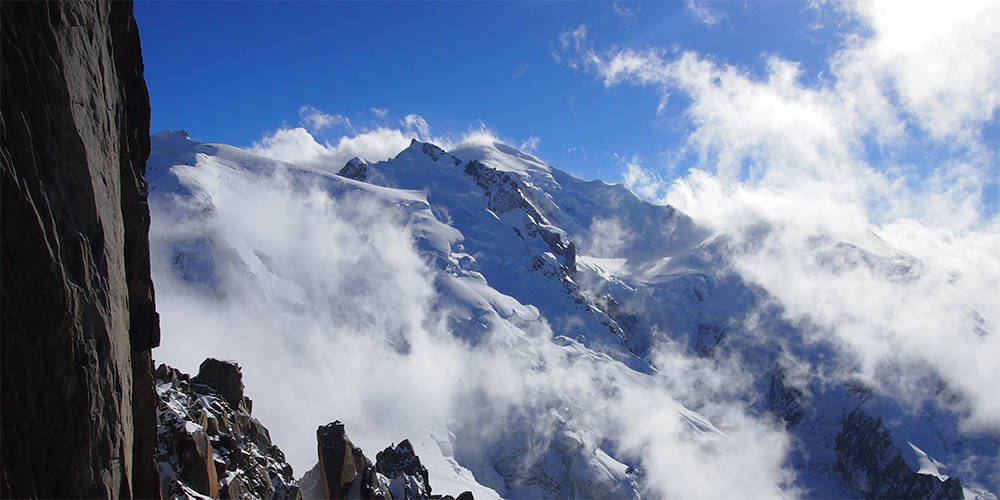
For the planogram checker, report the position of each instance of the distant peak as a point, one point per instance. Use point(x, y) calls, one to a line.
point(356, 168)
point(433, 151)
point(171, 134)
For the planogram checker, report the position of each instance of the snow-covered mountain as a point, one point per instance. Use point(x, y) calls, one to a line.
point(535, 335)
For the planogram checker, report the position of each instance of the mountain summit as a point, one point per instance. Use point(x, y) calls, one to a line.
point(532, 334)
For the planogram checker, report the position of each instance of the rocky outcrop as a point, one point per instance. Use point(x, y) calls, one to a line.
point(209, 446)
point(226, 378)
point(504, 194)
point(343, 471)
point(78, 316)
point(408, 478)
point(355, 168)
point(785, 400)
point(869, 462)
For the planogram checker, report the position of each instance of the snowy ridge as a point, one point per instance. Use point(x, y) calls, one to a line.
point(519, 325)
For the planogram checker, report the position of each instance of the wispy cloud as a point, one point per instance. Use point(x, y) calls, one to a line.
point(304, 269)
point(530, 144)
point(316, 120)
point(380, 112)
point(786, 168)
point(297, 145)
point(643, 181)
point(703, 12)
point(520, 71)
point(623, 11)
point(415, 125)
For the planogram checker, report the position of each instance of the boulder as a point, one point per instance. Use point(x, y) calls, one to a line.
point(223, 376)
point(194, 451)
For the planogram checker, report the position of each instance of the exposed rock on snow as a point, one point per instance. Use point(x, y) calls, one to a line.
point(343, 471)
point(208, 448)
point(355, 168)
point(602, 296)
point(871, 463)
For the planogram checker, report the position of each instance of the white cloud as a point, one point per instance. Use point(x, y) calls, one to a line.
point(530, 144)
point(783, 168)
point(316, 120)
point(702, 12)
point(941, 59)
point(298, 146)
point(416, 126)
point(643, 181)
point(623, 11)
point(380, 112)
point(607, 237)
point(295, 145)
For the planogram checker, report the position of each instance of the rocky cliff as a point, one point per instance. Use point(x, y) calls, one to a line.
point(78, 317)
point(210, 445)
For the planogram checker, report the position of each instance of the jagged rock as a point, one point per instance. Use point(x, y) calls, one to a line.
point(310, 484)
point(355, 168)
point(340, 462)
point(344, 472)
point(78, 316)
point(223, 376)
point(504, 194)
point(208, 447)
point(403, 469)
point(194, 451)
point(709, 337)
point(785, 400)
point(234, 489)
point(872, 464)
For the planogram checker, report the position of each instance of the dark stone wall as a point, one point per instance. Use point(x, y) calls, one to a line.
point(77, 414)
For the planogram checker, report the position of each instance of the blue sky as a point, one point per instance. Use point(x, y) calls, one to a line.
point(233, 71)
point(872, 88)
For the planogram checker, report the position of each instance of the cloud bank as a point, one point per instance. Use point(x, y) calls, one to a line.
point(292, 275)
point(892, 146)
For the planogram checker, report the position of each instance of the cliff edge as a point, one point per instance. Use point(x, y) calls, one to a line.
point(78, 416)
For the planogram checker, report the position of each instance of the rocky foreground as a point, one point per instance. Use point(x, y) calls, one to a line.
point(78, 316)
point(210, 446)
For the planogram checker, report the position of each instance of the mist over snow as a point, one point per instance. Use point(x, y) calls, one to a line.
point(828, 246)
point(891, 152)
point(318, 286)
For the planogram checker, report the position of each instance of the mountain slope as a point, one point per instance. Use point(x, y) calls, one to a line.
point(532, 334)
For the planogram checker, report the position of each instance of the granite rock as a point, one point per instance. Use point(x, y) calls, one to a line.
point(78, 316)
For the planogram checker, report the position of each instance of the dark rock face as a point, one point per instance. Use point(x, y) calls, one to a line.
point(401, 463)
point(211, 448)
point(78, 316)
point(785, 399)
point(871, 463)
point(223, 376)
point(355, 168)
point(344, 472)
point(505, 194)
